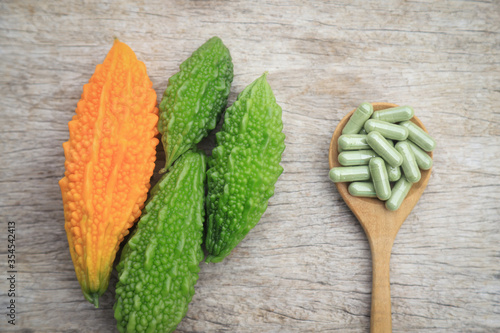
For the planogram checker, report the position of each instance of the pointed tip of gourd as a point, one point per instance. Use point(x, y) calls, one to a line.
point(208, 259)
point(168, 164)
point(263, 78)
point(215, 38)
point(164, 169)
point(116, 43)
point(213, 259)
point(93, 298)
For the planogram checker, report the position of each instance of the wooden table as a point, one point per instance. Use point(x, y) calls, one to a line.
point(306, 266)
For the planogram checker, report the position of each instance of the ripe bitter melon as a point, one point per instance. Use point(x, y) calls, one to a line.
point(110, 157)
point(195, 98)
point(244, 168)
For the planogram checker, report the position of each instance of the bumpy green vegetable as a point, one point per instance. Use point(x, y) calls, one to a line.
point(194, 99)
point(244, 168)
point(159, 265)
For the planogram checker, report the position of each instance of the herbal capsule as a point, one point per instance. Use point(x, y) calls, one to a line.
point(424, 161)
point(409, 166)
point(399, 193)
point(394, 173)
point(349, 174)
point(388, 130)
point(419, 136)
point(358, 118)
point(362, 189)
point(356, 157)
point(352, 142)
point(380, 178)
point(380, 145)
point(394, 115)
point(363, 131)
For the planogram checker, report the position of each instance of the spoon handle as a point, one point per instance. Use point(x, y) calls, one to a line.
point(381, 321)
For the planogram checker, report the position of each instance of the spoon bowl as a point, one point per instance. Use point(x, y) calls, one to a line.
point(380, 225)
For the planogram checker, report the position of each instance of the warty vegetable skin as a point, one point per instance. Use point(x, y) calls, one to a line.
point(160, 263)
point(195, 98)
point(110, 158)
point(244, 168)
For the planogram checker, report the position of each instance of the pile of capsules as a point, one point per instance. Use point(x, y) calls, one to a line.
point(371, 160)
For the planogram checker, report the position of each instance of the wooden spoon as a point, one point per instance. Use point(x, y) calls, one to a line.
point(381, 227)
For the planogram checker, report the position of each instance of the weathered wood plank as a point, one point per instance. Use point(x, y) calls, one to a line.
point(306, 266)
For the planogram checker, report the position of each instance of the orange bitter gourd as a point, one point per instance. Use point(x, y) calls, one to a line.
point(110, 158)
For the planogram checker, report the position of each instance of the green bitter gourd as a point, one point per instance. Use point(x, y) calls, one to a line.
point(159, 265)
point(195, 98)
point(244, 168)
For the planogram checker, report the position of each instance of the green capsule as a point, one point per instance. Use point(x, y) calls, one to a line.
point(383, 148)
point(399, 193)
point(363, 131)
point(380, 178)
point(424, 161)
point(409, 166)
point(394, 173)
point(362, 189)
point(358, 118)
point(394, 115)
point(352, 142)
point(356, 157)
point(388, 130)
point(349, 174)
point(419, 137)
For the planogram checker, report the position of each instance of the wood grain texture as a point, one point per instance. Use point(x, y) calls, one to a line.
point(306, 266)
